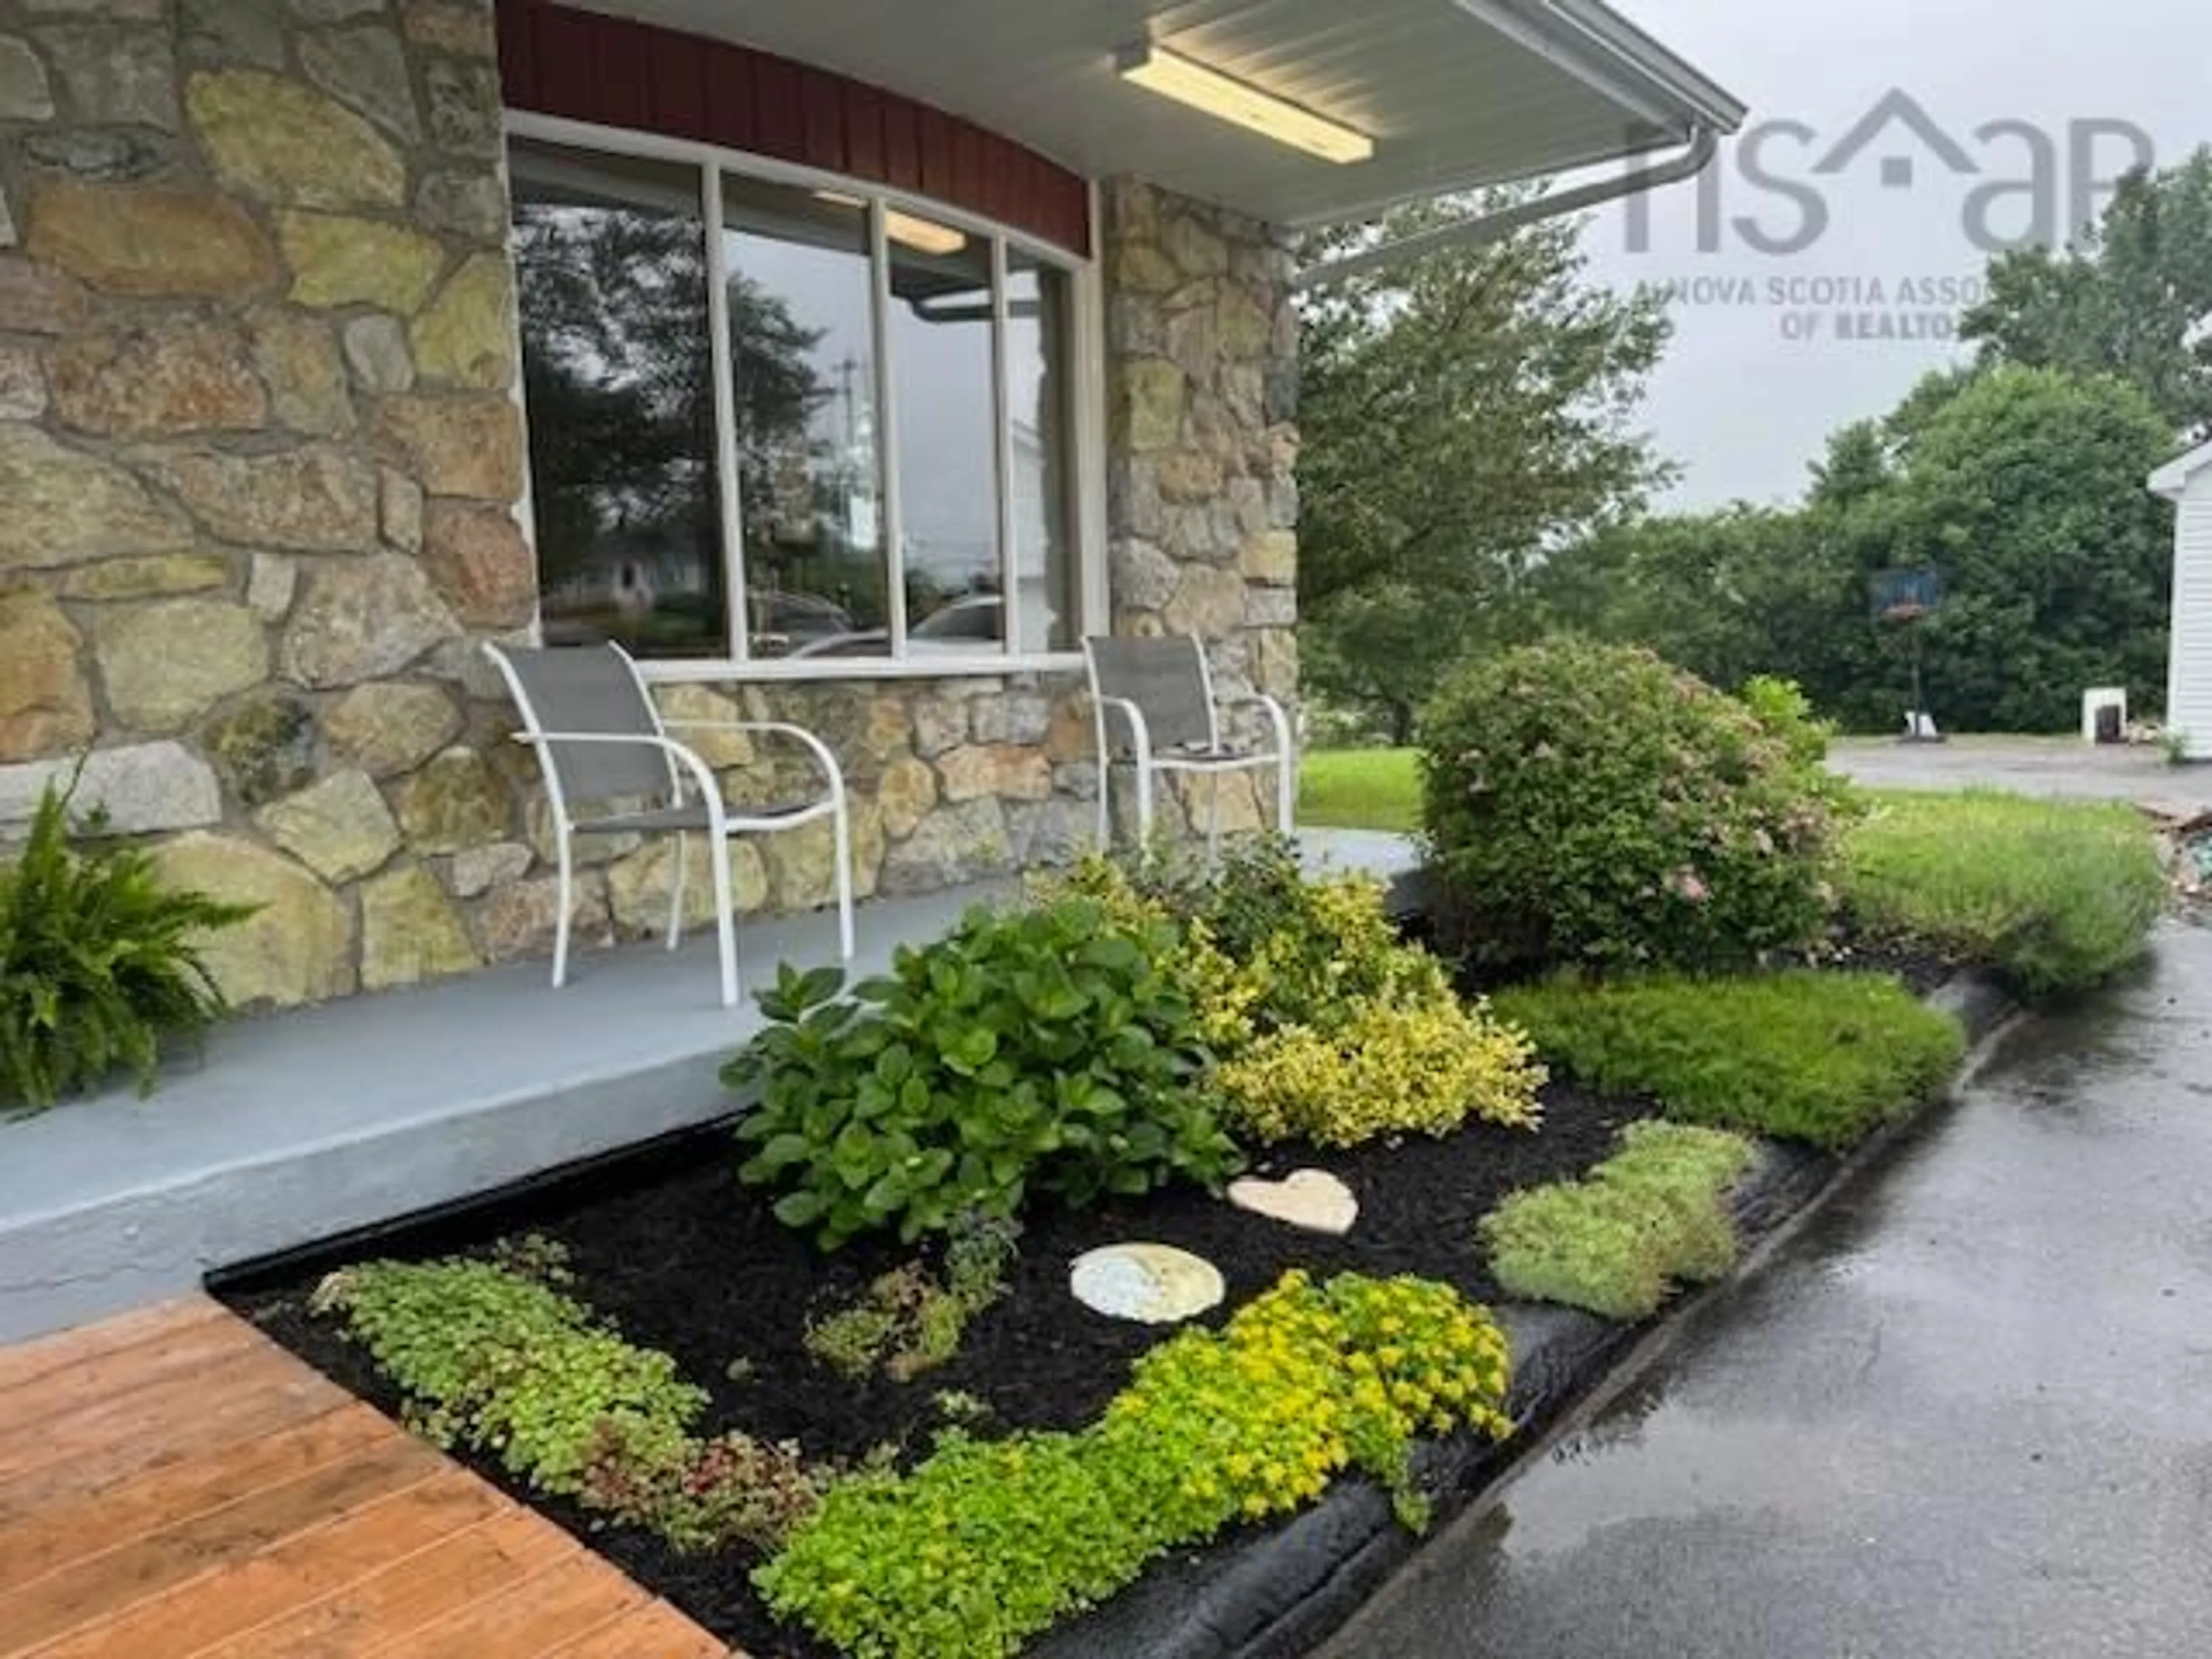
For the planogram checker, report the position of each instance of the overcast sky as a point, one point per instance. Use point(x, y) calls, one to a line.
point(1743, 406)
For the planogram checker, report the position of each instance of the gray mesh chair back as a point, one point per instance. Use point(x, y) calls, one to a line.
point(591, 689)
point(1153, 710)
point(599, 738)
point(1166, 678)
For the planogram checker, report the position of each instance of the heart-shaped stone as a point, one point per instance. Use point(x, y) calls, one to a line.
point(1312, 1199)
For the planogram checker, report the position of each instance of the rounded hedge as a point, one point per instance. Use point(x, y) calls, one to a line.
point(1590, 804)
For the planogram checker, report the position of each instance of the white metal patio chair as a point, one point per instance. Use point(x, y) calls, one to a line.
point(600, 739)
point(1163, 689)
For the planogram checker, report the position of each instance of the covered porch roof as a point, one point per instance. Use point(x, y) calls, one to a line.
point(1454, 94)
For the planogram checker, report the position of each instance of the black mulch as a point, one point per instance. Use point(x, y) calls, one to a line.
point(685, 1258)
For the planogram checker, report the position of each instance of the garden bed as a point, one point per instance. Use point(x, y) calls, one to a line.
point(683, 1258)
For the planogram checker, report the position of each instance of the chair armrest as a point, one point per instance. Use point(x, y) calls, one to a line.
point(1138, 729)
point(824, 757)
point(1278, 716)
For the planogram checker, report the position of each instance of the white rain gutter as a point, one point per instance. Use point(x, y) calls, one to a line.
point(1482, 230)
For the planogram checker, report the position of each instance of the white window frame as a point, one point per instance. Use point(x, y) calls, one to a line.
point(1087, 409)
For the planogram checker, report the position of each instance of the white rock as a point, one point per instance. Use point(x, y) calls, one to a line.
point(1312, 1199)
point(144, 787)
point(1150, 1284)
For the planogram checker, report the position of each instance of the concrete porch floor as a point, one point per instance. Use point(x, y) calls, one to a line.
point(296, 1126)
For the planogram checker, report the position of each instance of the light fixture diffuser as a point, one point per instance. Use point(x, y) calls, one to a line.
point(1189, 82)
point(923, 236)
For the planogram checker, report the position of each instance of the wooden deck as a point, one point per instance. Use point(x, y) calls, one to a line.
point(174, 1483)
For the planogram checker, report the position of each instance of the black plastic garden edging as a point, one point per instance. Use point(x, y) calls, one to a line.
point(1279, 1594)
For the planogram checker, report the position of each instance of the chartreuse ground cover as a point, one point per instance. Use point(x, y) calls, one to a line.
point(1823, 1057)
point(1649, 1218)
point(2055, 896)
point(982, 1544)
point(986, 1543)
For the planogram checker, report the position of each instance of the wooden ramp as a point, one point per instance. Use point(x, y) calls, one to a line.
point(175, 1485)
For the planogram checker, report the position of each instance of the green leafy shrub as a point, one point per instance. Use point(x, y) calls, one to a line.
point(2055, 896)
point(1649, 1218)
point(99, 963)
point(1038, 1053)
point(1329, 1026)
point(986, 1543)
point(508, 1362)
point(911, 1320)
point(1588, 804)
point(1817, 1057)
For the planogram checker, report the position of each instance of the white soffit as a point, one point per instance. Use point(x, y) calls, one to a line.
point(1454, 93)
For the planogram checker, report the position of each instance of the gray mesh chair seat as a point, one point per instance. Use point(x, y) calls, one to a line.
point(601, 741)
point(696, 818)
point(1161, 691)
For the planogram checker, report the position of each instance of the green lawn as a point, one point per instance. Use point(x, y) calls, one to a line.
point(1361, 789)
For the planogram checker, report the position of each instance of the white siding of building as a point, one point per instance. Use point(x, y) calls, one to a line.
point(2189, 663)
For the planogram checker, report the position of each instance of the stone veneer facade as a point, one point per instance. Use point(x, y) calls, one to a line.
point(259, 454)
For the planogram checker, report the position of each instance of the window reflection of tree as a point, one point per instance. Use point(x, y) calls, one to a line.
point(617, 371)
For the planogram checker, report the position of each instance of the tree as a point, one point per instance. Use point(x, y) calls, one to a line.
point(2025, 491)
point(1461, 414)
point(2127, 300)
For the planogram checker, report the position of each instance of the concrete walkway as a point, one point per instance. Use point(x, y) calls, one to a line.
point(1967, 1413)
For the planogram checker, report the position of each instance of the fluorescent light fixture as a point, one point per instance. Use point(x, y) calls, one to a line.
point(923, 236)
point(1188, 82)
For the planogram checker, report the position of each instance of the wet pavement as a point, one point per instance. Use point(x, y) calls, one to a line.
point(2029, 766)
point(1967, 1413)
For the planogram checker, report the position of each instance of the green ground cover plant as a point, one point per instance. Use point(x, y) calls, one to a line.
point(1327, 1025)
point(986, 1543)
point(2054, 895)
point(1649, 1218)
point(1361, 789)
point(100, 964)
point(502, 1358)
point(1044, 1052)
point(1590, 804)
point(1824, 1058)
point(911, 1319)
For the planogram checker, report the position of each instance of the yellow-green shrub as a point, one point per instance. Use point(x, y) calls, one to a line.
point(1327, 1025)
point(1421, 1068)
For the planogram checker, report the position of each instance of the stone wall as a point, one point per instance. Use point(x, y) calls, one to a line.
point(1202, 500)
point(259, 454)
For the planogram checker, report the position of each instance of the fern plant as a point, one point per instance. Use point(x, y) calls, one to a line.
point(98, 963)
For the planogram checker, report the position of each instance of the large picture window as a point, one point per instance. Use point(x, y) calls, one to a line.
point(778, 423)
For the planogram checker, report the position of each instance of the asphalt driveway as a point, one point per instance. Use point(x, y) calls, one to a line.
point(2029, 766)
point(1966, 1415)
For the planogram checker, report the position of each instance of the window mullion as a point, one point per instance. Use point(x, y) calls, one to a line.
point(887, 435)
point(1002, 434)
point(736, 620)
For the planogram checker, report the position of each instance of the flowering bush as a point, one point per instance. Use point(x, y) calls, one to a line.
point(1589, 804)
point(985, 1544)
